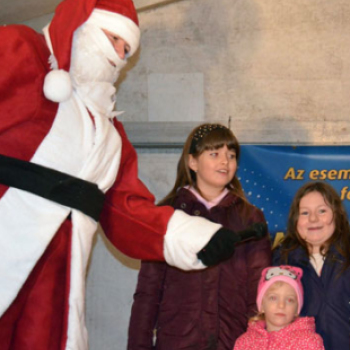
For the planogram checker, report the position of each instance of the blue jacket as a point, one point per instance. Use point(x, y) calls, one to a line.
point(326, 297)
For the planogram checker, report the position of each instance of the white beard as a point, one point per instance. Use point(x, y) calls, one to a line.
point(92, 53)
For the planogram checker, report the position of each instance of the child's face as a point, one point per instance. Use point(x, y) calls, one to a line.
point(280, 305)
point(315, 223)
point(214, 170)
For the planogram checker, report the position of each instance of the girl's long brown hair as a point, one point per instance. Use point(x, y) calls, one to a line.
point(215, 139)
point(341, 236)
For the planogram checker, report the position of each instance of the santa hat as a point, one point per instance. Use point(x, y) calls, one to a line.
point(288, 274)
point(117, 16)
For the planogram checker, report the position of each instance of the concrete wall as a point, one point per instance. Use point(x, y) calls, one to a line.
point(280, 69)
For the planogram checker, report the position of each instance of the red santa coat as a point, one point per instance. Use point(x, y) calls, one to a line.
point(45, 248)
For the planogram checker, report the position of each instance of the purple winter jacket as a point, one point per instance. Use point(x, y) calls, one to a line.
point(200, 310)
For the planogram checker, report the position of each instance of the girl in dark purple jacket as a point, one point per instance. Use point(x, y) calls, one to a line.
point(208, 309)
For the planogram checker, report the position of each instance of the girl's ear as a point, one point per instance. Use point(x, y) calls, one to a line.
point(192, 163)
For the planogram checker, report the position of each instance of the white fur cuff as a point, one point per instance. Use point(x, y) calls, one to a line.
point(185, 237)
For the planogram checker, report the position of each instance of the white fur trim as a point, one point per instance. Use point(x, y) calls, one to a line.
point(58, 86)
point(47, 38)
point(117, 24)
point(186, 235)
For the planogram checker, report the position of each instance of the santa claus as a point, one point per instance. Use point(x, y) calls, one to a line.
point(66, 164)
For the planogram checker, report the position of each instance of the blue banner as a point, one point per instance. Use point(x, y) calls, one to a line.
point(271, 175)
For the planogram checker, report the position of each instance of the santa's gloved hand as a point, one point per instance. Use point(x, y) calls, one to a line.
point(222, 244)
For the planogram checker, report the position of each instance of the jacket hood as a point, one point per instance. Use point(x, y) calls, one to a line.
point(300, 324)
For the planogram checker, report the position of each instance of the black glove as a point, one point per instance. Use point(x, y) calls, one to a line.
point(222, 244)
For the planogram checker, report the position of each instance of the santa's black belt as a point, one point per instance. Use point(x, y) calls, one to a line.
point(51, 184)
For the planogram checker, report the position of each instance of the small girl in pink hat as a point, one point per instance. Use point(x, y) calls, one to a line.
point(277, 326)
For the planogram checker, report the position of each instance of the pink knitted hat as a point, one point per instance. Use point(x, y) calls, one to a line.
point(288, 274)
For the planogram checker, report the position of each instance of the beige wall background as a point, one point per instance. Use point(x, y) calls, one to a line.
point(280, 69)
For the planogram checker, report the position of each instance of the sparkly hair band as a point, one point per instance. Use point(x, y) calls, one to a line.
point(202, 132)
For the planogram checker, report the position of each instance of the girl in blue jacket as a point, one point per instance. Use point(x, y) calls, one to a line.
point(318, 241)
